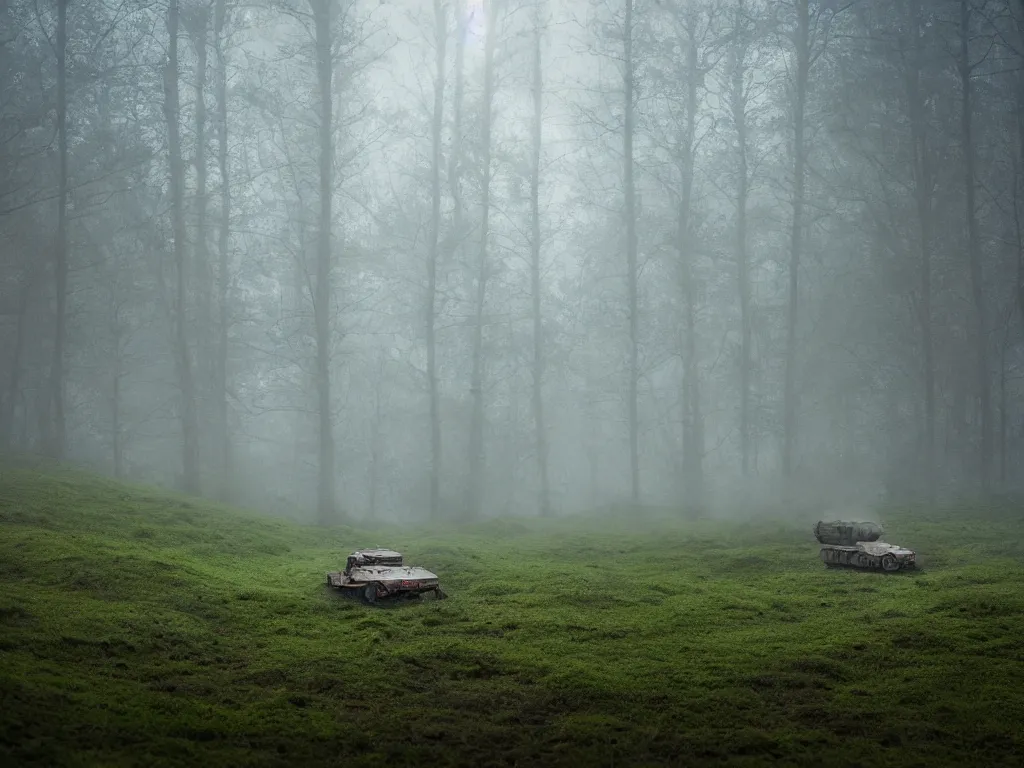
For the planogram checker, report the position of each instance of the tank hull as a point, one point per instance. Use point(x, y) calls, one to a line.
point(872, 556)
point(380, 575)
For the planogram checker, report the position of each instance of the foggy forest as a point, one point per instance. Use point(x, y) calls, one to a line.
point(458, 383)
point(448, 259)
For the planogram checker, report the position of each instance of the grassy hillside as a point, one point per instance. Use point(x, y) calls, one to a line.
point(142, 629)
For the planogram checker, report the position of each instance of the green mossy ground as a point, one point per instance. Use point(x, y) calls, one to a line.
point(138, 628)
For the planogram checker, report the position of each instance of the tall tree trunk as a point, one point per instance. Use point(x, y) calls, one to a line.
point(58, 436)
point(693, 443)
point(455, 239)
point(544, 502)
point(456, 155)
point(476, 433)
point(440, 44)
point(375, 451)
point(14, 371)
point(923, 196)
point(1019, 162)
point(116, 374)
point(43, 412)
point(189, 418)
point(739, 114)
point(1018, 191)
point(223, 245)
point(631, 254)
point(802, 45)
point(1017, 240)
point(974, 250)
point(1003, 419)
point(196, 22)
point(322, 12)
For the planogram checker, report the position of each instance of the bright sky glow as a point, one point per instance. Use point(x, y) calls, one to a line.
point(475, 26)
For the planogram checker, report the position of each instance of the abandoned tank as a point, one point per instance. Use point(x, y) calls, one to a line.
point(857, 545)
point(380, 574)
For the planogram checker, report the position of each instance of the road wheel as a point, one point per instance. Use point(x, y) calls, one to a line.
point(370, 593)
point(890, 563)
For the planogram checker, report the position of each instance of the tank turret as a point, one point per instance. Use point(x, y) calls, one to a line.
point(845, 533)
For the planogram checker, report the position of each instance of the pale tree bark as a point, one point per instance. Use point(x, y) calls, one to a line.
point(456, 155)
point(223, 427)
point(376, 431)
point(58, 433)
point(1004, 347)
point(454, 239)
point(326, 488)
point(476, 430)
point(628, 75)
point(196, 20)
point(117, 373)
point(912, 47)
point(1017, 239)
point(802, 51)
point(544, 502)
point(693, 438)
point(738, 104)
point(28, 282)
point(966, 70)
point(1018, 188)
point(189, 418)
point(440, 46)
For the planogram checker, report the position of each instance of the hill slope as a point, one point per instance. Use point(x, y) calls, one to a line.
point(142, 628)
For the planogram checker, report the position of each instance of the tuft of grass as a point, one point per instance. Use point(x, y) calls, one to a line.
point(138, 627)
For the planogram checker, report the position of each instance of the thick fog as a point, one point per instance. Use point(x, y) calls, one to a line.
point(403, 259)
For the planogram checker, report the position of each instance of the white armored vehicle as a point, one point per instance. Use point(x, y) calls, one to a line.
point(857, 545)
point(379, 574)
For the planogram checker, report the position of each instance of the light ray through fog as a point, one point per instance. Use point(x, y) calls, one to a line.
point(476, 26)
